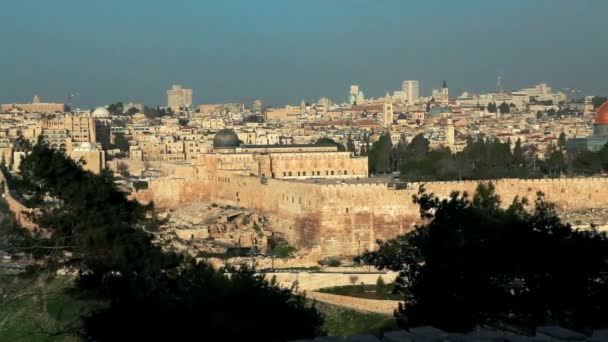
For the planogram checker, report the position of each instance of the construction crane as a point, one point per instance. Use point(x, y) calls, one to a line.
point(69, 97)
point(572, 90)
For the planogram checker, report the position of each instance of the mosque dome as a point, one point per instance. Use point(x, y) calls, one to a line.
point(225, 138)
point(601, 116)
point(101, 112)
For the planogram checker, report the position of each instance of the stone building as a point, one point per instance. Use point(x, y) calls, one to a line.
point(35, 107)
point(178, 97)
point(295, 161)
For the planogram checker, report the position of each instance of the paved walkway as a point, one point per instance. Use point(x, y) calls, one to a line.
point(372, 305)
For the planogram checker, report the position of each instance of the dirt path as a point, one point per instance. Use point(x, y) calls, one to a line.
point(371, 305)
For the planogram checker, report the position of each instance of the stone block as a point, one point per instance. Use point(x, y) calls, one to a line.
point(362, 338)
point(557, 333)
point(397, 336)
point(427, 334)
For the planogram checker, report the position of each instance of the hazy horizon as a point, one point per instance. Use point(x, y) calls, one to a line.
point(285, 51)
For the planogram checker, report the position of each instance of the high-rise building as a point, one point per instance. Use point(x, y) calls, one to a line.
point(178, 97)
point(257, 106)
point(355, 95)
point(411, 88)
point(387, 112)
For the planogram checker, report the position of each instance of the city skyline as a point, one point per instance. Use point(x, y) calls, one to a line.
point(284, 52)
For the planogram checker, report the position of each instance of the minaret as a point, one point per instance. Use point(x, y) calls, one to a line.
point(36, 99)
point(387, 113)
point(449, 135)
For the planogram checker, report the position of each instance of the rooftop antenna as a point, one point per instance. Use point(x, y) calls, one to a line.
point(499, 89)
point(69, 98)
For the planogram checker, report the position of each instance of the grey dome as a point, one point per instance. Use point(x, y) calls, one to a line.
point(225, 138)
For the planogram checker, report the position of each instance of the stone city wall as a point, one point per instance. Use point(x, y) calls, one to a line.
point(17, 208)
point(346, 219)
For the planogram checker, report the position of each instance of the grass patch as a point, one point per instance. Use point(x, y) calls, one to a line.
point(344, 322)
point(40, 310)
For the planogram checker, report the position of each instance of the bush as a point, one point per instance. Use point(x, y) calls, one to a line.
point(331, 262)
point(140, 185)
point(283, 250)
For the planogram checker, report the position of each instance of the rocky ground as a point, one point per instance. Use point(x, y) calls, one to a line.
point(584, 219)
point(209, 229)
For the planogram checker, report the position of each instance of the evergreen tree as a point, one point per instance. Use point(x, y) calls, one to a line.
point(561, 142)
point(350, 144)
point(380, 155)
point(504, 108)
point(329, 141)
point(518, 154)
point(94, 229)
point(459, 269)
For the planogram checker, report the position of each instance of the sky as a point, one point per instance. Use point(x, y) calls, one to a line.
point(282, 51)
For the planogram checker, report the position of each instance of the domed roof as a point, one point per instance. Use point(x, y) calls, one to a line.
point(225, 138)
point(601, 116)
point(437, 111)
point(100, 112)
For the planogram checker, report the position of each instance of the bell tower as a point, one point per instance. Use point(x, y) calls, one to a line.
point(387, 112)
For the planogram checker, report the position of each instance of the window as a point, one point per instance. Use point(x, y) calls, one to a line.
point(345, 172)
point(332, 173)
point(289, 173)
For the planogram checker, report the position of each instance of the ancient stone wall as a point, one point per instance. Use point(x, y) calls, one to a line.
point(346, 219)
point(17, 208)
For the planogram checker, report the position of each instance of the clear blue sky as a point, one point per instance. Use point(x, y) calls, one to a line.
point(285, 50)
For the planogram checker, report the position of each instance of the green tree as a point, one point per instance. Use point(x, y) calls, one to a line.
point(123, 169)
point(95, 230)
point(350, 144)
point(132, 111)
point(154, 113)
point(116, 108)
point(504, 108)
point(597, 101)
point(120, 142)
point(329, 141)
point(475, 262)
point(561, 141)
point(380, 155)
point(555, 163)
point(518, 154)
point(183, 121)
point(492, 108)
